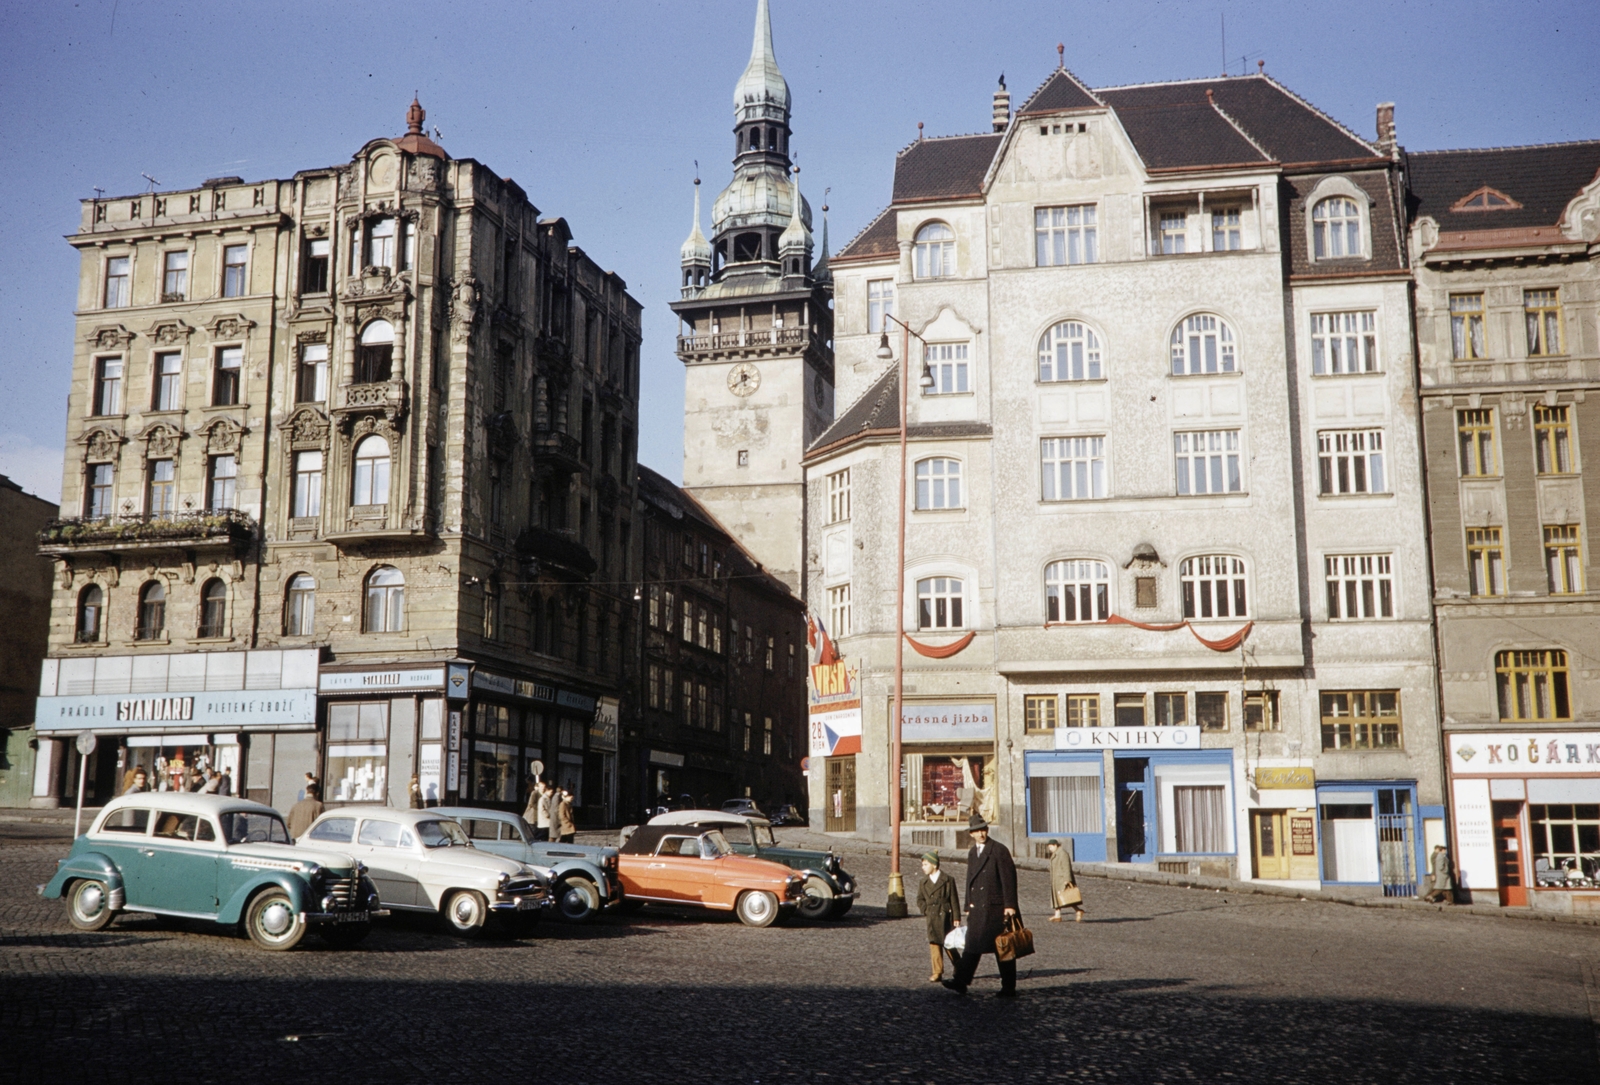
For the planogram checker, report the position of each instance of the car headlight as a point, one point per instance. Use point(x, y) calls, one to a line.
point(504, 877)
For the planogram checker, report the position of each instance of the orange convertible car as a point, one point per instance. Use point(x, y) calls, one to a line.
point(685, 865)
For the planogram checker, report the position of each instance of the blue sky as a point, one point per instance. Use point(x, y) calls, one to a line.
point(599, 110)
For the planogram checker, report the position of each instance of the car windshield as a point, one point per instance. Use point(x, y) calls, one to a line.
point(714, 844)
point(764, 837)
point(442, 834)
point(247, 828)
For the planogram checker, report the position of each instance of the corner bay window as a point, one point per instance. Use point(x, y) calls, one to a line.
point(935, 251)
point(939, 603)
point(1213, 587)
point(380, 243)
point(1361, 720)
point(1532, 685)
point(1077, 591)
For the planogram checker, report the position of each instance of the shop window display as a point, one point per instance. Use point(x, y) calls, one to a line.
point(946, 788)
point(1565, 841)
point(358, 752)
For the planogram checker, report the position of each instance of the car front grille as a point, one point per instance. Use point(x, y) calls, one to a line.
point(522, 887)
point(346, 893)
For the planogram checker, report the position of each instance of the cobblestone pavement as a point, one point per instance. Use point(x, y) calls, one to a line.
point(1160, 985)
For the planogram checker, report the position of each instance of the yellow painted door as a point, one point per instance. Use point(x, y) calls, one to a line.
point(1271, 846)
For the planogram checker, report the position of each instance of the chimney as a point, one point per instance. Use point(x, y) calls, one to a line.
point(1386, 142)
point(1002, 106)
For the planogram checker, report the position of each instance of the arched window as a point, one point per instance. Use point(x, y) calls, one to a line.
point(939, 603)
point(1203, 343)
point(1070, 351)
point(152, 611)
point(1213, 587)
point(300, 608)
point(213, 608)
point(372, 472)
point(939, 484)
point(935, 251)
point(375, 355)
point(1077, 591)
point(386, 600)
point(91, 609)
point(1336, 228)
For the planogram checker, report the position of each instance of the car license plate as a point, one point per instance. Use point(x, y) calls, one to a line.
point(350, 917)
point(526, 904)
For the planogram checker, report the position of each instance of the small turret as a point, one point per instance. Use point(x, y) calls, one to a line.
point(1002, 106)
point(822, 273)
point(794, 244)
point(695, 256)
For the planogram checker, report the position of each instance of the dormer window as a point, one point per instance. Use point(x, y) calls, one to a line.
point(935, 251)
point(1485, 199)
point(1336, 228)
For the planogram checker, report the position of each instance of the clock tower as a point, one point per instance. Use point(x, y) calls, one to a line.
point(756, 334)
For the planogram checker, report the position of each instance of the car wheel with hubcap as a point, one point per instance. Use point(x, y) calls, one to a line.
point(271, 921)
point(577, 899)
point(817, 903)
point(89, 905)
point(344, 935)
point(757, 908)
point(466, 912)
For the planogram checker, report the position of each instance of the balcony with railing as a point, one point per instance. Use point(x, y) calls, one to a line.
point(219, 529)
point(747, 342)
point(554, 444)
point(387, 398)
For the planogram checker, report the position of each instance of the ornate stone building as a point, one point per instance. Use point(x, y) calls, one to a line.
point(1508, 342)
point(363, 438)
point(1166, 573)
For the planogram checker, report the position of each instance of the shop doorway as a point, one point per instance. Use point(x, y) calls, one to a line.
point(840, 805)
point(1397, 842)
point(1508, 852)
point(1133, 806)
point(1268, 830)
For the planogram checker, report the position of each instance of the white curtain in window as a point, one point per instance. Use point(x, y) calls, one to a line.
point(1201, 818)
point(1064, 804)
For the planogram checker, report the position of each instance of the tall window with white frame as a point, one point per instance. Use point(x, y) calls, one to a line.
point(91, 610)
point(935, 252)
point(1065, 235)
point(314, 276)
point(307, 484)
point(1351, 462)
point(385, 609)
point(1360, 586)
point(311, 383)
point(939, 484)
point(160, 498)
point(1214, 587)
point(940, 603)
point(1208, 462)
point(227, 377)
point(1077, 591)
point(175, 276)
point(107, 387)
point(224, 479)
point(97, 493)
point(1486, 561)
point(1466, 328)
point(300, 607)
point(380, 243)
point(1172, 232)
point(1203, 344)
point(880, 304)
point(1072, 468)
point(168, 391)
point(839, 610)
point(948, 364)
point(371, 479)
point(152, 612)
point(1070, 351)
point(839, 496)
point(213, 609)
point(119, 294)
point(1344, 342)
point(235, 263)
point(1226, 235)
point(1336, 228)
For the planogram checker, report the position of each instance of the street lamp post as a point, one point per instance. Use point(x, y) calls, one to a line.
point(895, 906)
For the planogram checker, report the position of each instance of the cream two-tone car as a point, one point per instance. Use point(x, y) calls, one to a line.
point(422, 862)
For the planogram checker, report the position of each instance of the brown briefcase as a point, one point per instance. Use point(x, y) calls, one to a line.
point(1013, 942)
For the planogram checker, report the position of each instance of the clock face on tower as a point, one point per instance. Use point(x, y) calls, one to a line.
point(743, 379)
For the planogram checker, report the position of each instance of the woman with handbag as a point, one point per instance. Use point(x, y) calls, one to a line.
point(1064, 891)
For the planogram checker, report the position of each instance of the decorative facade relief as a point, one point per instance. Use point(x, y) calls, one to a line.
point(102, 444)
point(161, 441)
point(464, 298)
point(223, 436)
point(307, 428)
point(170, 333)
point(110, 337)
point(231, 326)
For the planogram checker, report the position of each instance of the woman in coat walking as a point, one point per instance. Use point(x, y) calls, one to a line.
point(938, 900)
point(1064, 892)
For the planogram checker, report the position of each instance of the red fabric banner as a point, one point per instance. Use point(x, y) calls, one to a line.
point(941, 652)
point(1225, 644)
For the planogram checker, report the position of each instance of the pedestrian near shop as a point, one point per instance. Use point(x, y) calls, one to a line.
point(938, 900)
point(304, 812)
point(540, 805)
point(564, 828)
point(414, 792)
point(140, 783)
point(213, 784)
point(1443, 889)
point(991, 900)
point(1064, 891)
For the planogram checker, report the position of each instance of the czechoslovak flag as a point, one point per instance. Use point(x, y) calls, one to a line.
point(817, 637)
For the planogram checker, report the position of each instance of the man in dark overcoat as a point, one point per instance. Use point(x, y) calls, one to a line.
point(991, 898)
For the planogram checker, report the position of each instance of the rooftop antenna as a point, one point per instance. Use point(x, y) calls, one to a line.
point(98, 192)
point(153, 182)
point(697, 171)
point(1223, 16)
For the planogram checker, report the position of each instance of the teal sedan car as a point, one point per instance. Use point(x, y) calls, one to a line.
point(208, 857)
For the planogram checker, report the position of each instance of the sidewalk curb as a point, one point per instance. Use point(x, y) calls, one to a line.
point(1119, 872)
